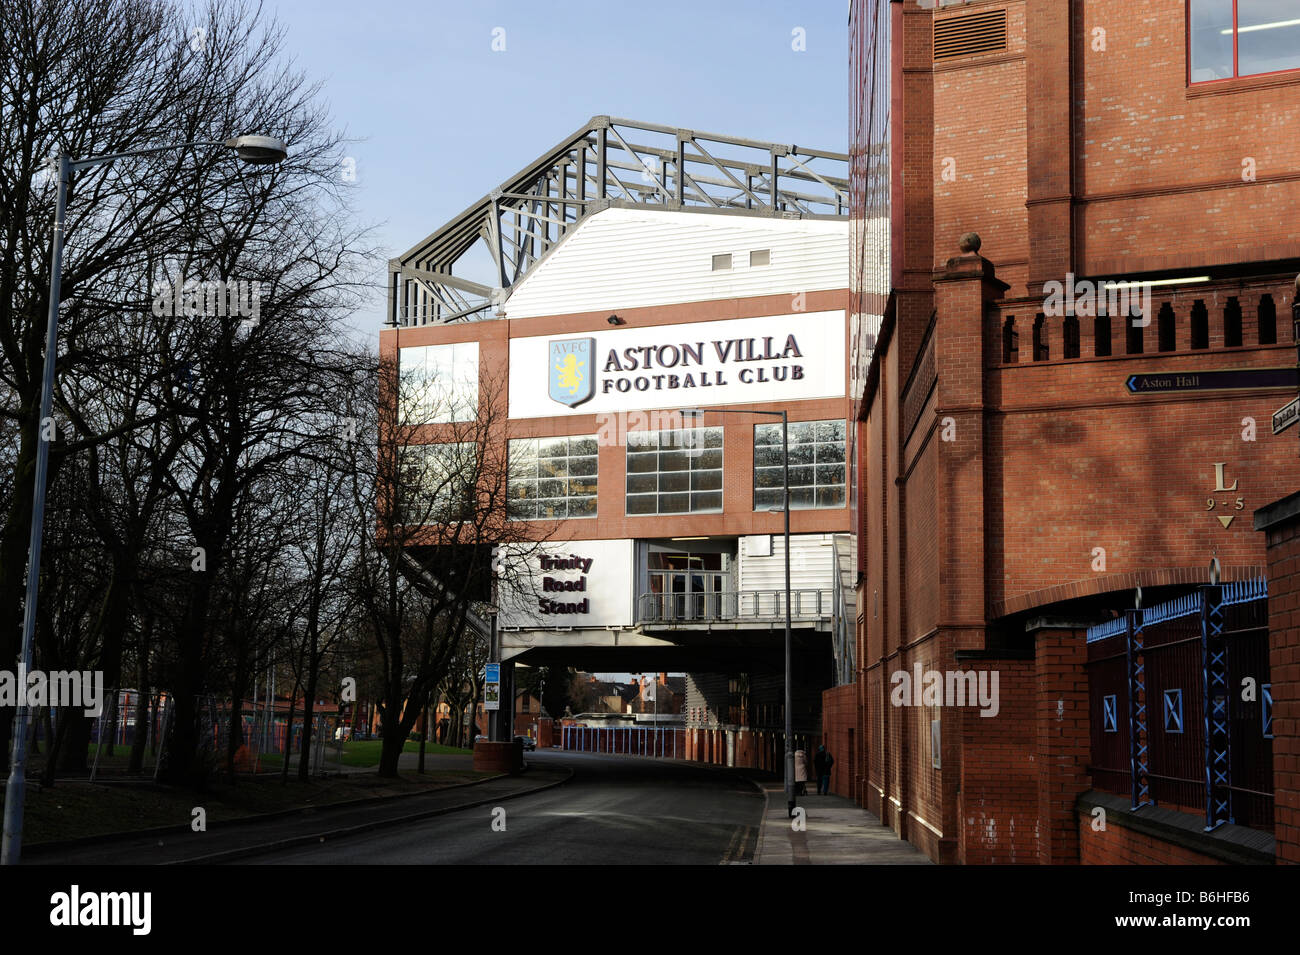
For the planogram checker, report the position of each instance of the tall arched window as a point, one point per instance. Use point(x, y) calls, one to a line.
point(1267, 320)
point(1200, 325)
point(1166, 328)
point(1232, 323)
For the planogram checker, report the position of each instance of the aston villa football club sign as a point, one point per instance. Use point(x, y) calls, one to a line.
point(570, 370)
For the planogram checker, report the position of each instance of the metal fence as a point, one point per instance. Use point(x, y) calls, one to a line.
point(1180, 708)
point(669, 742)
point(734, 606)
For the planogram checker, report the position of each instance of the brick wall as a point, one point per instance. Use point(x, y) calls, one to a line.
point(840, 736)
point(1281, 523)
point(1119, 846)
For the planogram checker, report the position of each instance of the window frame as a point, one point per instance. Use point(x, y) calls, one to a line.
point(512, 480)
point(1237, 75)
point(813, 465)
point(689, 446)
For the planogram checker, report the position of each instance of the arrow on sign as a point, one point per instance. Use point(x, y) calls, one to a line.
point(1286, 416)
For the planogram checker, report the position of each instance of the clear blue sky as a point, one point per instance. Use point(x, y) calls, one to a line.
point(442, 118)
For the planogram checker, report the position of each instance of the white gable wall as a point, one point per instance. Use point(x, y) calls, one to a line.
point(630, 258)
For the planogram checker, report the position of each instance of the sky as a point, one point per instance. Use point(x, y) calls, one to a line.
point(440, 118)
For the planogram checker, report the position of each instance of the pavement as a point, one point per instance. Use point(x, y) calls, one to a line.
point(837, 831)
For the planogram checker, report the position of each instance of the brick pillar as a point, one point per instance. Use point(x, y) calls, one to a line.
point(1063, 741)
point(1281, 522)
point(1049, 142)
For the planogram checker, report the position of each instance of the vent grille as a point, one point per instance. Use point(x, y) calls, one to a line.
point(970, 34)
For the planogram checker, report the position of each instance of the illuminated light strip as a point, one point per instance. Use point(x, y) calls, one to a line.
point(1262, 26)
point(1191, 281)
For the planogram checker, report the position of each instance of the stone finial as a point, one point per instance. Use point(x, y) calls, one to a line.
point(969, 243)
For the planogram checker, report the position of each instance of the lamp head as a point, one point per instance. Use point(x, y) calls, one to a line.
point(259, 150)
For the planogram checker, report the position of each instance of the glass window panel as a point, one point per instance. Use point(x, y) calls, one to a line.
point(1268, 36)
point(708, 460)
point(642, 483)
point(825, 431)
point(552, 447)
point(581, 487)
point(830, 452)
point(523, 490)
point(641, 503)
point(830, 474)
point(768, 457)
point(550, 509)
point(553, 467)
point(674, 460)
point(801, 477)
point(582, 507)
point(830, 497)
point(801, 497)
point(583, 446)
point(1210, 45)
point(550, 488)
point(642, 440)
point(674, 503)
point(766, 498)
point(674, 481)
point(712, 438)
point(706, 501)
point(706, 480)
point(802, 453)
point(643, 463)
point(522, 510)
point(767, 477)
point(582, 465)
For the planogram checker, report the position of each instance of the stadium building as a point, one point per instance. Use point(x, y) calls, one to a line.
point(629, 273)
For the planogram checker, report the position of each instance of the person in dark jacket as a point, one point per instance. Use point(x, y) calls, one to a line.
point(822, 763)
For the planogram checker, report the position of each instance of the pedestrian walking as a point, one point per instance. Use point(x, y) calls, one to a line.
point(822, 763)
point(800, 773)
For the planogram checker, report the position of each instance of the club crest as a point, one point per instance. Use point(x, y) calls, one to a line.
point(571, 379)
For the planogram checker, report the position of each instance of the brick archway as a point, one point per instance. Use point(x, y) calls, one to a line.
point(1106, 583)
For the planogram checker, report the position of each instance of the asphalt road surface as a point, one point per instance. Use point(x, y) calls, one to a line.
point(615, 810)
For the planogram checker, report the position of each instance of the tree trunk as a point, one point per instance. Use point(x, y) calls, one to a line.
point(288, 736)
point(308, 712)
point(424, 735)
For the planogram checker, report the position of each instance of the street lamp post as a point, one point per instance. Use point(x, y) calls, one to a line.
point(785, 484)
point(258, 150)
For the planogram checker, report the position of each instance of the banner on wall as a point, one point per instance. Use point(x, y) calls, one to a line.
point(771, 358)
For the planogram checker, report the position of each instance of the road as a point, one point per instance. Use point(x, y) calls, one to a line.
point(615, 810)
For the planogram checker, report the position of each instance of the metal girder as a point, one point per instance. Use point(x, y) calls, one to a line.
point(530, 213)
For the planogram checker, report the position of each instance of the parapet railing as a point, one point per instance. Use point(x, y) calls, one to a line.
point(739, 606)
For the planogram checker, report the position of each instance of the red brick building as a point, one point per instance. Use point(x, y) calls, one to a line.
point(1029, 457)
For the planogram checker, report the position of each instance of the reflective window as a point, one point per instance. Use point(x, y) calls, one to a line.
point(817, 476)
point(1265, 33)
point(439, 383)
point(552, 478)
point(674, 472)
point(436, 481)
point(1268, 36)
